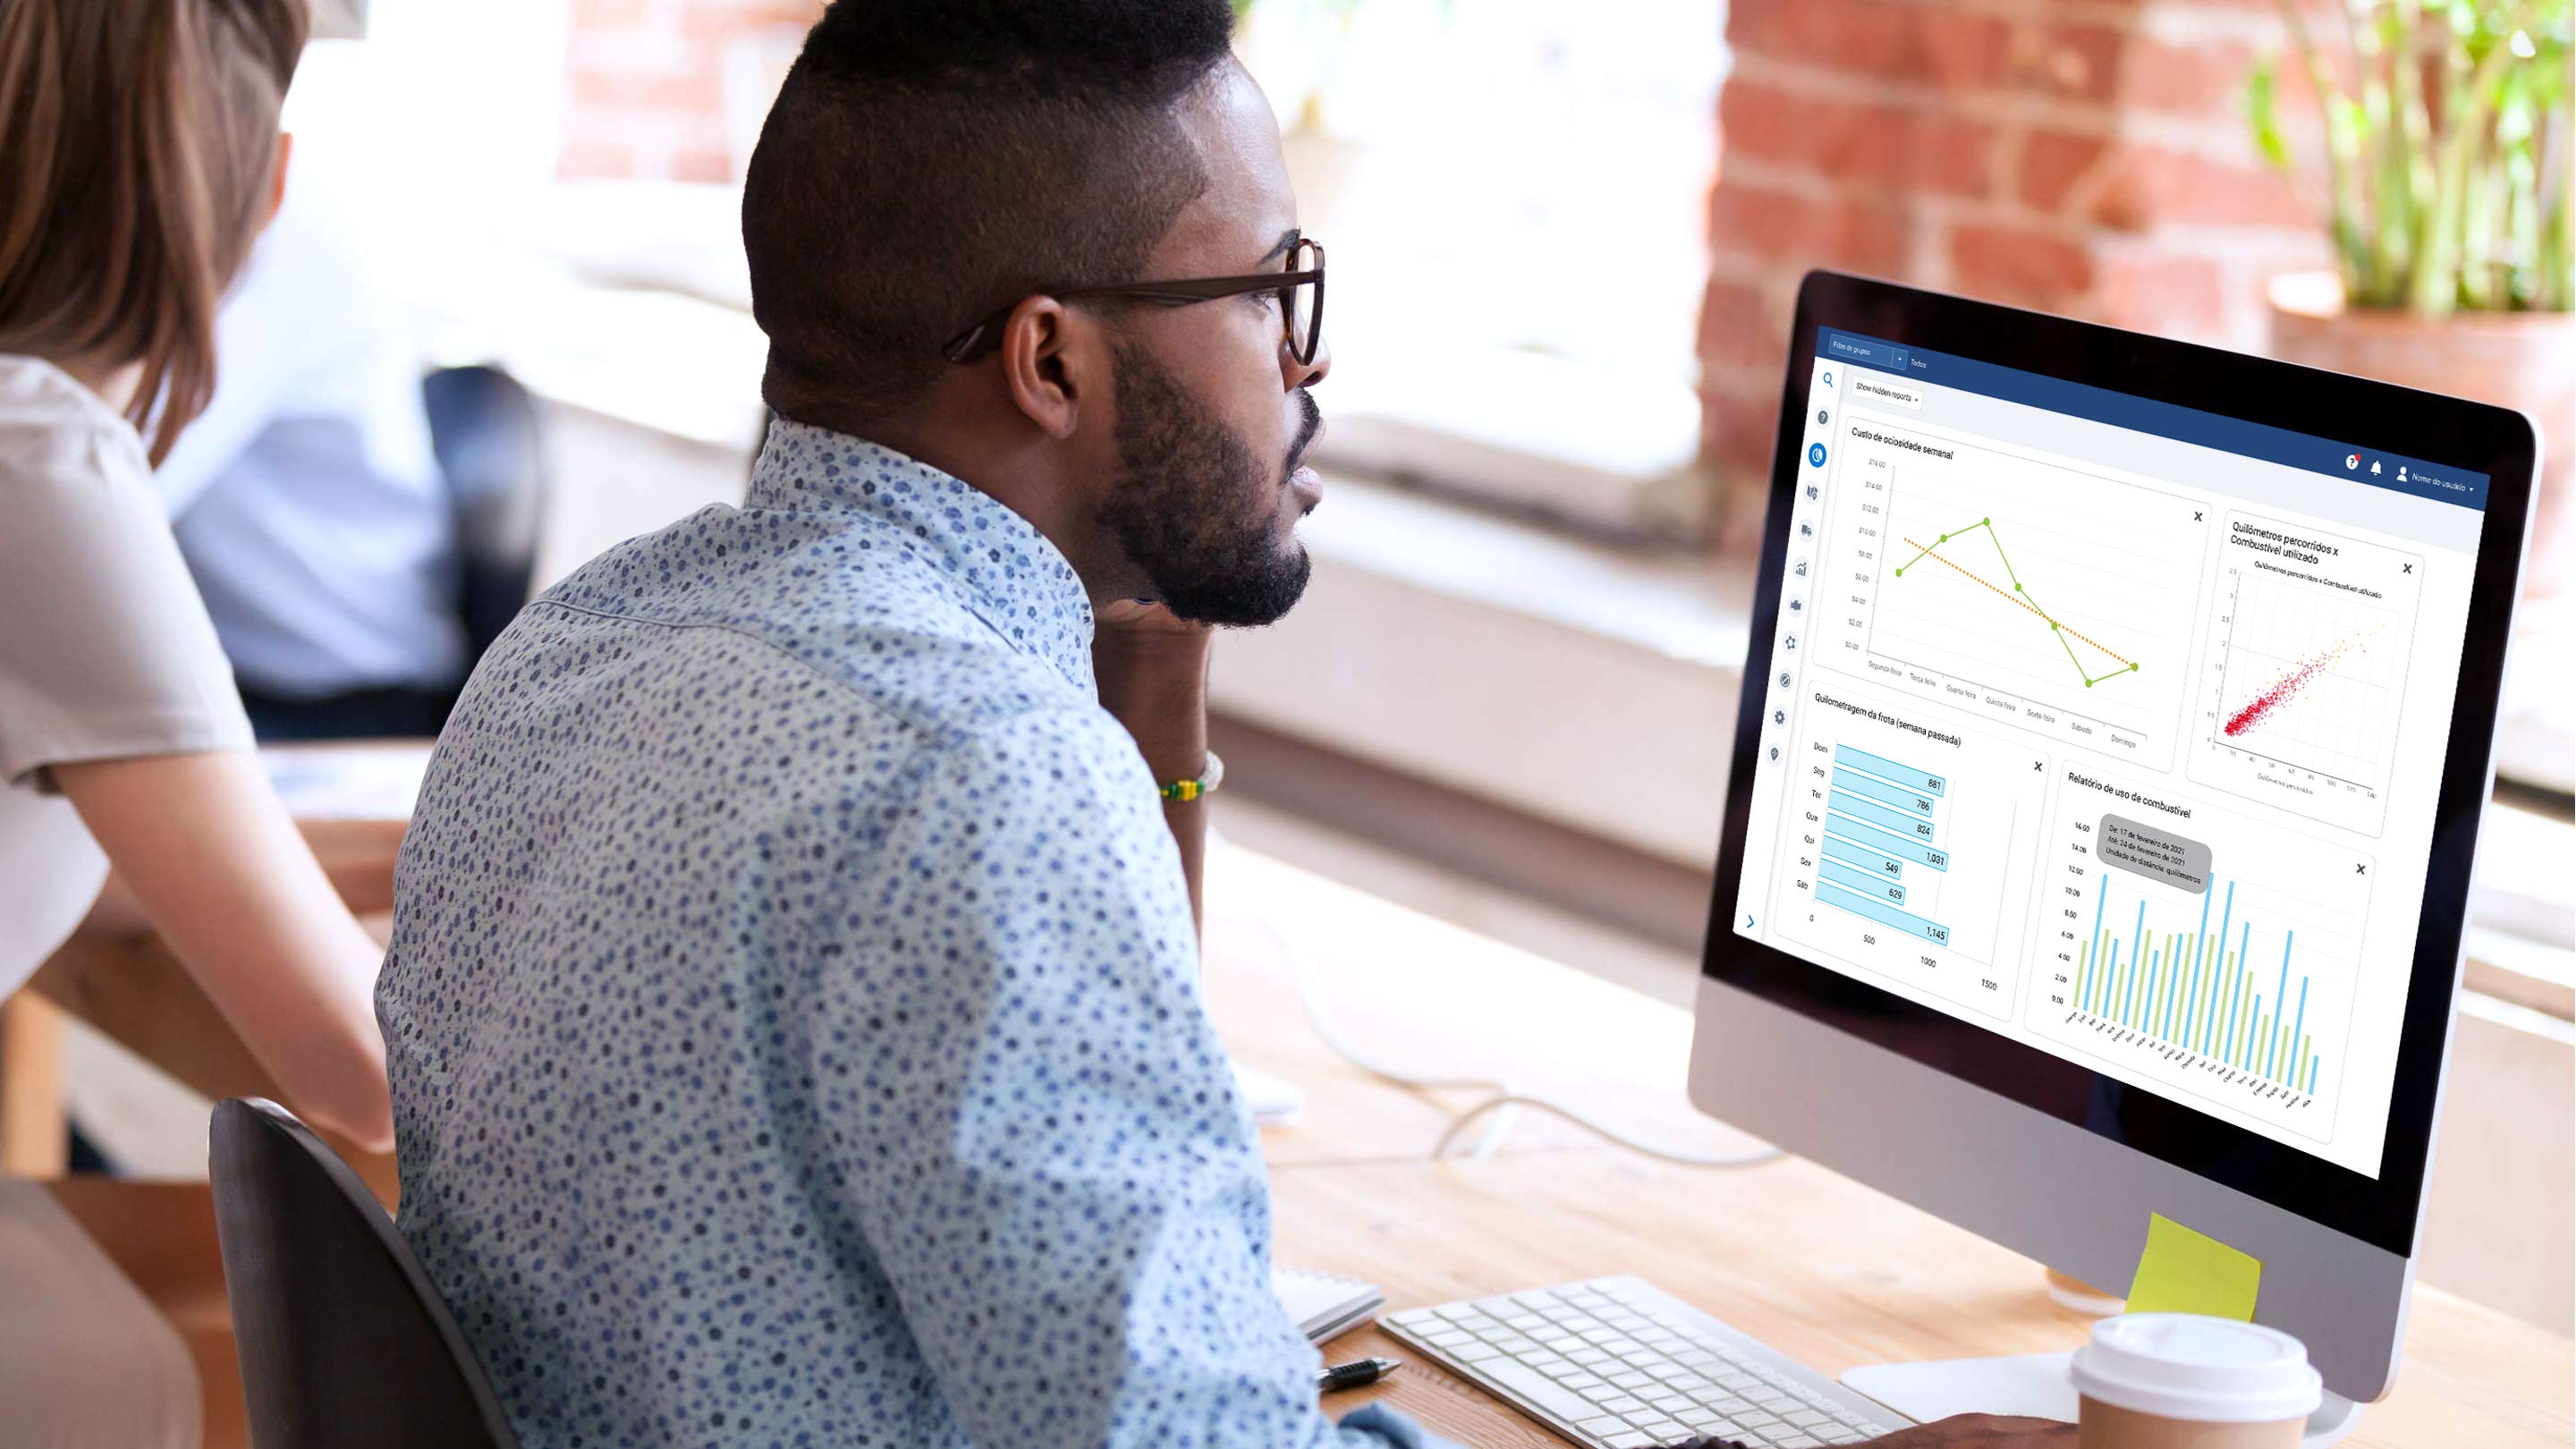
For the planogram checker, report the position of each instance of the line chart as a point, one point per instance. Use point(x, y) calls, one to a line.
point(2021, 596)
point(2063, 602)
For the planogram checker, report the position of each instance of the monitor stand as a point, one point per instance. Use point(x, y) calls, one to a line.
point(2033, 1384)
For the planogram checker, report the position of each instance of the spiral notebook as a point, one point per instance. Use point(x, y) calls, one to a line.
point(1325, 1306)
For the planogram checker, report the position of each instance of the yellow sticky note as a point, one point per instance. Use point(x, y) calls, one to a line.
point(2187, 1272)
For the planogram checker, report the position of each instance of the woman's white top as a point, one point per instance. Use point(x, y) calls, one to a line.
point(105, 649)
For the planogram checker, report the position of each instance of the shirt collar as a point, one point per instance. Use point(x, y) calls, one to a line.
point(1009, 574)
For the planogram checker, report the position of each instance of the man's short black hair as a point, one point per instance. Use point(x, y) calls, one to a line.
point(929, 161)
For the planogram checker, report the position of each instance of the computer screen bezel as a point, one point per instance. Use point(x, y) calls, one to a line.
point(2384, 1210)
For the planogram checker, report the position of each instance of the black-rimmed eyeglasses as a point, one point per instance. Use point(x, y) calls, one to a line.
point(1301, 303)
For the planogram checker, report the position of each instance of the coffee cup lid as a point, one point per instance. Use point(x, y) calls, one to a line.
point(2198, 1370)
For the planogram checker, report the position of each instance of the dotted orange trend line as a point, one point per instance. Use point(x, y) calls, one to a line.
point(2018, 599)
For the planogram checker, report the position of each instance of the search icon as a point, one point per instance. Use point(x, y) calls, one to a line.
point(1829, 379)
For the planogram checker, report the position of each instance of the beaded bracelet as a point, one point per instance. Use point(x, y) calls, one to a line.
point(1183, 791)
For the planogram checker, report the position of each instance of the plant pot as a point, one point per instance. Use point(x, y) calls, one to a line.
point(2522, 360)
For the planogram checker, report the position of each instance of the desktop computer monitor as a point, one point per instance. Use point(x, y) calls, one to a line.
point(2116, 724)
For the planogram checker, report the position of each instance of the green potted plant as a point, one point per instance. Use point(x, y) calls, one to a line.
point(2449, 133)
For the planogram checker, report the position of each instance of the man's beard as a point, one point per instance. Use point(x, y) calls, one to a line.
point(1194, 509)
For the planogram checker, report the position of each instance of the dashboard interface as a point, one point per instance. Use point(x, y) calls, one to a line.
point(2113, 727)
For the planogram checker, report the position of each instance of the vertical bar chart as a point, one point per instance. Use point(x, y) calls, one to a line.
point(2198, 992)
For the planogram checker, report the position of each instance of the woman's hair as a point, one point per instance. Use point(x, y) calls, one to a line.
point(138, 152)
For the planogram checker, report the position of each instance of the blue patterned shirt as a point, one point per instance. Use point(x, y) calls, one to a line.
point(793, 1008)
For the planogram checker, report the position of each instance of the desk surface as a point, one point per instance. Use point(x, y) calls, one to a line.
point(1828, 1271)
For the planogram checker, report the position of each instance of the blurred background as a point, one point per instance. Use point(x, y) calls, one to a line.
point(1566, 239)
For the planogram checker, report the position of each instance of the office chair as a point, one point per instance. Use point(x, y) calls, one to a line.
point(483, 428)
point(343, 1341)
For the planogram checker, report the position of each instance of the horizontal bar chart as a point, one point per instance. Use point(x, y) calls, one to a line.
point(1880, 821)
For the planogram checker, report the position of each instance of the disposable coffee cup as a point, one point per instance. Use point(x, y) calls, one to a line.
point(2181, 1381)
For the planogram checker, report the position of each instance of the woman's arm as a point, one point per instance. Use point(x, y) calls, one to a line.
point(219, 869)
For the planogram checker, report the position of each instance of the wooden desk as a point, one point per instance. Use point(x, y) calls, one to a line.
point(1826, 1270)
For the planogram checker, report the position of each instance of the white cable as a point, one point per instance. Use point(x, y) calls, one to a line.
point(1310, 996)
point(1599, 1129)
point(1501, 1104)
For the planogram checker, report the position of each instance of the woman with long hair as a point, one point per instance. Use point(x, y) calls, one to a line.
point(139, 157)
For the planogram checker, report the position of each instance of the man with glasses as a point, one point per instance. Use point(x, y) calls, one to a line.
point(792, 1004)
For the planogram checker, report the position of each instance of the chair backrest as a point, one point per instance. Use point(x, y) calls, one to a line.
point(483, 427)
point(343, 1340)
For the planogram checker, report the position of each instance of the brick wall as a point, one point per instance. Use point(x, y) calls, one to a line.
point(672, 90)
point(2087, 157)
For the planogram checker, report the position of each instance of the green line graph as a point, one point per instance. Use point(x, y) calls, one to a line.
point(2020, 596)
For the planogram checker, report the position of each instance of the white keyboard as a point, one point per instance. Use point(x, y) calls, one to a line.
point(1617, 1363)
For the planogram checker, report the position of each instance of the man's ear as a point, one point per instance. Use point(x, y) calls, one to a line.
point(277, 181)
point(1043, 367)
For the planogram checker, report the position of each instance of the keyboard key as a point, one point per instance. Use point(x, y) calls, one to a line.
point(1669, 1402)
point(1533, 1386)
point(1664, 1430)
point(1805, 1419)
point(1590, 1356)
point(1799, 1441)
point(1475, 1353)
point(1548, 1364)
point(1604, 1424)
point(1623, 1405)
point(1579, 1381)
point(1632, 1380)
point(1630, 1440)
point(1448, 1340)
point(1601, 1393)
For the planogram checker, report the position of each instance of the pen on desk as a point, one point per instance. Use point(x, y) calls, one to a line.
point(1356, 1374)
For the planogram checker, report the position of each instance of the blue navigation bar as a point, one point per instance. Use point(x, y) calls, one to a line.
point(2418, 477)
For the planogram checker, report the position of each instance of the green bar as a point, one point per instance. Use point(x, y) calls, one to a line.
point(2236, 1019)
point(2173, 982)
point(2299, 1068)
point(2084, 979)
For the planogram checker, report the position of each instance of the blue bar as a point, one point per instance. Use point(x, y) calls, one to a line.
point(2280, 998)
point(1843, 850)
point(1870, 787)
point(2101, 894)
point(1885, 915)
point(2312, 1076)
point(2298, 1024)
point(1904, 823)
point(1905, 775)
point(2218, 968)
point(1912, 851)
point(1880, 888)
point(2424, 479)
point(2199, 948)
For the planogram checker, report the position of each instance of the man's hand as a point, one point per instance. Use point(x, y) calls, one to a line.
point(1982, 1431)
point(1964, 1431)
